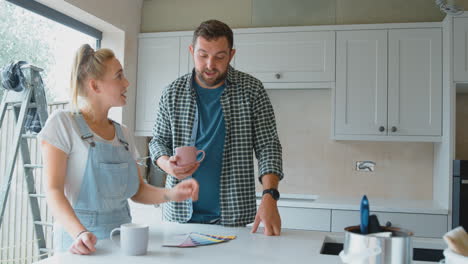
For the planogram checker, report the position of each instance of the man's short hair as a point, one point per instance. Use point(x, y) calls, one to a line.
point(212, 30)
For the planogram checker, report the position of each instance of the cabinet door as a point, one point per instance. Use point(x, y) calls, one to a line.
point(460, 46)
point(291, 57)
point(305, 218)
point(158, 65)
point(361, 82)
point(415, 82)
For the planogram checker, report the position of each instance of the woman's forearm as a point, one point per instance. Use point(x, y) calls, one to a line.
point(63, 212)
point(148, 194)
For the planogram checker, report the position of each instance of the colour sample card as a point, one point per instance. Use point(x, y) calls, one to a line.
point(195, 239)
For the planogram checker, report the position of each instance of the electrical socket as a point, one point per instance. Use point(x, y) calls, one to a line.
point(366, 165)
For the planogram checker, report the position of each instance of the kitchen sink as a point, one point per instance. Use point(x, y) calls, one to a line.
point(419, 254)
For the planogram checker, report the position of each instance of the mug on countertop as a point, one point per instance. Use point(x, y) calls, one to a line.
point(133, 238)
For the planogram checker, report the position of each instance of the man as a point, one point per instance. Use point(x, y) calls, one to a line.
point(227, 114)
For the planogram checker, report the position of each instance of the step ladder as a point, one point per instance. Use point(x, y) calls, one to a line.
point(32, 96)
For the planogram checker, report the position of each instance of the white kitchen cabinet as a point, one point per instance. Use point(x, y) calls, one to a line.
point(158, 65)
point(305, 218)
point(415, 82)
point(460, 47)
point(361, 82)
point(186, 60)
point(389, 85)
point(287, 59)
point(422, 225)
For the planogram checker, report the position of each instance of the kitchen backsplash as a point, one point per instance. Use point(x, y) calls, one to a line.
point(315, 164)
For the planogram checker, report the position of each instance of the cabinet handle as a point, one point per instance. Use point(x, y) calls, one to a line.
point(394, 129)
point(388, 224)
point(381, 128)
point(278, 76)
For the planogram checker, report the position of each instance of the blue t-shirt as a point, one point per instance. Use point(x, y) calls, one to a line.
point(210, 138)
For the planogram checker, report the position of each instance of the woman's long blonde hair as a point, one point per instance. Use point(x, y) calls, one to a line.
point(87, 64)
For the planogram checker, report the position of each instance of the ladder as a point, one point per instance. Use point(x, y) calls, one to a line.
point(32, 96)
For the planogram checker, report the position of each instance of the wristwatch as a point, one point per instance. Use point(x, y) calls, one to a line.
point(273, 192)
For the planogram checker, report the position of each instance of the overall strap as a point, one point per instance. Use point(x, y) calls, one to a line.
point(85, 132)
point(120, 134)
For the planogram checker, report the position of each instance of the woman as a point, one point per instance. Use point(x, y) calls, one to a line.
point(90, 160)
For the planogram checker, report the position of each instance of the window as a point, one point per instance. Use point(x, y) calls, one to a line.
point(43, 42)
point(32, 32)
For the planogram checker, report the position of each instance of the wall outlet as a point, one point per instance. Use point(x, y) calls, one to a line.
point(366, 165)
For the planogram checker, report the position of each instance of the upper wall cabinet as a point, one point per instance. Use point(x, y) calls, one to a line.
point(186, 60)
point(389, 85)
point(460, 47)
point(158, 65)
point(287, 59)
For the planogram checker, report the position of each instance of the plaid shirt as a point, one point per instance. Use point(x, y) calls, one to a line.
point(250, 126)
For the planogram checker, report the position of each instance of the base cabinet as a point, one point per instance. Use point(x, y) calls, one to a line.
point(305, 218)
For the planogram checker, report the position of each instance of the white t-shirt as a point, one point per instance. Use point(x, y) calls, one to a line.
point(61, 131)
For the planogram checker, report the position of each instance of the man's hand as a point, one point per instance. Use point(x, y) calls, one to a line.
point(84, 244)
point(183, 190)
point(169, 165)
point(269, 215)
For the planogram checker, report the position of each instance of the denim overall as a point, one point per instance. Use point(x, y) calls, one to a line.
point(110, 178)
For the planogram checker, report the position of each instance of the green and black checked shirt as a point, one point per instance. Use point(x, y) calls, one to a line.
point(250, 127)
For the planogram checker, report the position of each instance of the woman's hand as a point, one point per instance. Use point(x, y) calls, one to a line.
point(84, 244)
point(169, 165)
point(183, 190)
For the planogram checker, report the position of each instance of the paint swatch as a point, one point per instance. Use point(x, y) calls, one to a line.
point(195, 239)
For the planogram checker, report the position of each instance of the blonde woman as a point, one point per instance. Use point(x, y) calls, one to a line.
point(90, 160)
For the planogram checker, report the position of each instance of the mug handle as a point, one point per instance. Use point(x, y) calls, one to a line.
point(203, 156)
point(112, 233)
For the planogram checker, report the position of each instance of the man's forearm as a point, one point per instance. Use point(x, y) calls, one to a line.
point(160, 162)
point(270, 181)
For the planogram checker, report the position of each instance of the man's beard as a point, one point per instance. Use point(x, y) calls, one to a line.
point(212, 83)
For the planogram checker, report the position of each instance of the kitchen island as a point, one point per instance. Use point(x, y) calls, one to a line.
point(293, 246)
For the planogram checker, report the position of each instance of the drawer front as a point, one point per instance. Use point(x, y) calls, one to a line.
point(305, 218)
point(422, 225)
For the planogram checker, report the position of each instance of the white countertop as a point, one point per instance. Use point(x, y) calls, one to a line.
point(293, 246)
point(352, 203)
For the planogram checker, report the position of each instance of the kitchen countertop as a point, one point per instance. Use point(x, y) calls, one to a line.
point(353, 203)
point(293, 246)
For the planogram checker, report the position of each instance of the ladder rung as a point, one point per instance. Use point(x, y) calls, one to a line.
point(29, 135)
point(38, 195)
point(31, 105)
point(33, 166)
point(46, 250)
point(43, 223)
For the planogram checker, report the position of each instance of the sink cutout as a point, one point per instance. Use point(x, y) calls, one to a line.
point(331, 248)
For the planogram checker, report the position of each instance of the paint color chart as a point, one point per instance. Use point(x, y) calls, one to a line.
point(195, 239)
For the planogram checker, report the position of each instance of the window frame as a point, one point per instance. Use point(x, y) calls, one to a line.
point(59, 17)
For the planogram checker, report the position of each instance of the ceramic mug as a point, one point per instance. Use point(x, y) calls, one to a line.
point(133, 238)
point(187, 155)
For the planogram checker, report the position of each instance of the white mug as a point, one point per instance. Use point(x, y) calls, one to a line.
point(133, 238)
